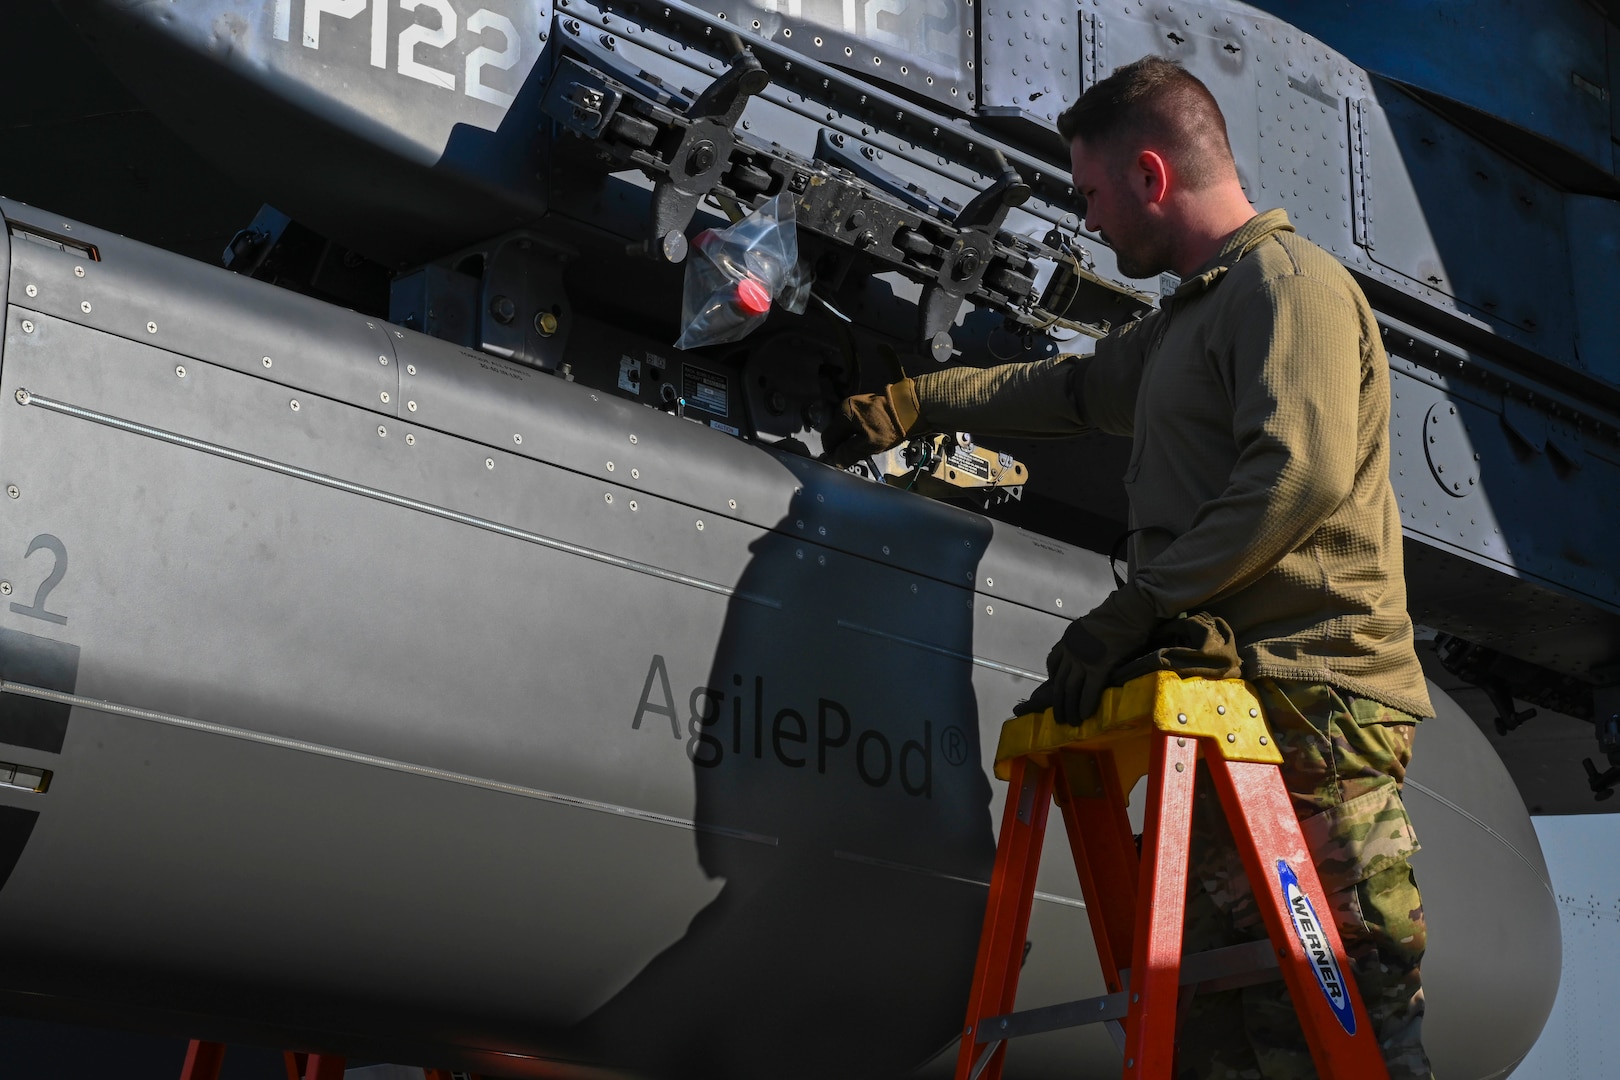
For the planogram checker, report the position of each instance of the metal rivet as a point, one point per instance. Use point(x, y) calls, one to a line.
point(1180, 767)
point(85, 307)
point(1221, 709)
point(5, 588)
point(1130, 1063)
point(410, 440)
point(489, 463)
point(411, 405)
point(1181, 742)
point(635, 474)
point(383, 360)
point(608, 497)
point(267, 361)
point(700, 526)
point(78, 271)
point(610, 466)
point(1254, 712)
point(151, 328)
point(180, 370)
point(633, 505)
point(410, 369)
point(1181, 718)
point(1262, 740)
point(1136, 997)
point(11, 489)
point(732, 503)
point(632, 440)
point(385, 397)
point(28, 327)
point(382, 432)
point(294, 404)
point(1230, 737)
point(30, 290)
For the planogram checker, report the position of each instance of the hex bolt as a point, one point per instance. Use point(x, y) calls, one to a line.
point(545, 324)
point(503, 310)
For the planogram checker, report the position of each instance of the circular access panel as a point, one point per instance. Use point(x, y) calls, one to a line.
point(1450, 450)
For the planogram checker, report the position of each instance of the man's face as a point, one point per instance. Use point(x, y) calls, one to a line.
point(1117, 195)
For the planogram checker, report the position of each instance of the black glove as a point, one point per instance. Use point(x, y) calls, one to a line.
point(1079, 665)
point(866, 424)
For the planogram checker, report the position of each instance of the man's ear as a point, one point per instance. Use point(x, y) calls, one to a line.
point(1154, 175)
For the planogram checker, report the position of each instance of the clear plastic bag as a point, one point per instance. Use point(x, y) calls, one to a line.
point(735, 274)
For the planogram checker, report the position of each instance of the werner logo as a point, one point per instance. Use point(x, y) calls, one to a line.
point(824, 737)
point(1311, 935)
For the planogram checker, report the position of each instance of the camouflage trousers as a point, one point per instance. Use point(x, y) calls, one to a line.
point(1344, 760)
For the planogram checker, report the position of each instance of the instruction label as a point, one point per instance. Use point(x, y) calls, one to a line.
point(965, 461)
point(706, 390)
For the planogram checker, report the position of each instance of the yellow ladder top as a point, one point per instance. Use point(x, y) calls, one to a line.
point(1225, 713)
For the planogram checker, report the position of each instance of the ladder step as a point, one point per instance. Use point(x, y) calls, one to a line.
point(1218, 969)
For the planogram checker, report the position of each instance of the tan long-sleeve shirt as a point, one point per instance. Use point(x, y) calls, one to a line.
point(1257, 402)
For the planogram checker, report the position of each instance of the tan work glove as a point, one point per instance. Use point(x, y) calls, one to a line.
point(866, 424)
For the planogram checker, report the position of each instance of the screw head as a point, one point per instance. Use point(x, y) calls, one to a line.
point(700, 526)
point(632, 440)
point(294, 404)
point(383, 360)
point(78, 271)
point(411, 405)
point(151, 328)
point(607, 497)
point(610, 466)
point(384, 396)
point(180, 370)
point(31, 290)
point(5, 588)
point(517, 439)
point(267, 361)
point(633, 504)
point(27, 327)
point(410, 440)
point(410, 369)
point(85, 307)
point(635, 474)
point(732, 503)
point(489, 463)
point(22, 397)
point(11, 489)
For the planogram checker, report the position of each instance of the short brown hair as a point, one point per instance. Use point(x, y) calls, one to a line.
point(1163, 106)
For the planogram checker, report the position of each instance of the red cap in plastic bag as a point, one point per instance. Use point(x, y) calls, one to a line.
point(752, 299)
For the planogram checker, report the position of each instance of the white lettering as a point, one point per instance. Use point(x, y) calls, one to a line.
point(417, 34)
point(379, 34)
point(314, 9)
point(483, 56)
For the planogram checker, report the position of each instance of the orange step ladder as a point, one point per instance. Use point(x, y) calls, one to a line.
point(1158, 725)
